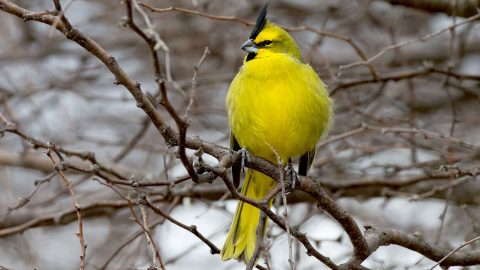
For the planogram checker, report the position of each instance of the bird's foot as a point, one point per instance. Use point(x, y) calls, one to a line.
point(291, 177)
point(245, 157)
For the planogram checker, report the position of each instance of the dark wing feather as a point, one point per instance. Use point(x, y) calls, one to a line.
point(305, 162)
point(237, 166)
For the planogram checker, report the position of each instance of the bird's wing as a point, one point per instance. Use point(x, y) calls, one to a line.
point(305, 162)
point(237, 165)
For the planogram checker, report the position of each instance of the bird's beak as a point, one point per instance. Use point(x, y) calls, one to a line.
point(249, 46)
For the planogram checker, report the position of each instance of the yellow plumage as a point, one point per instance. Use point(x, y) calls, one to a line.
point(276, 104)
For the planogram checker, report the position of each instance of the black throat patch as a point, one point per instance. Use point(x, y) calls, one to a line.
point(250, 56)
point(261, 22)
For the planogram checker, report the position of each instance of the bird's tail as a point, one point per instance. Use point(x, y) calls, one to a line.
point(242, 237)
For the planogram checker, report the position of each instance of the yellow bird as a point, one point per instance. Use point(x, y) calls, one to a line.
point(277, 106)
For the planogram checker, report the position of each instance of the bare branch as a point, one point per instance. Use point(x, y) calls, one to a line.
point(77, 207)
point(464, 8)
point(193, 229)
point(381, 237)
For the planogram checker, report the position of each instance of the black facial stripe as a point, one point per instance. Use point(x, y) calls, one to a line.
point(264, 43)
point(261, 22)
point(250, 56)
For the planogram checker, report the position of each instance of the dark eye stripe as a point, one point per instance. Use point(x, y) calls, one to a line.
point(265, 43)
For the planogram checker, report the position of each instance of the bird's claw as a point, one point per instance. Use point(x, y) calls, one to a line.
point(245, 157)
point(291, 177)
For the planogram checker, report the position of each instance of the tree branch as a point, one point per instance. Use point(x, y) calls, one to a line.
point(464, 8)
point(383, 237)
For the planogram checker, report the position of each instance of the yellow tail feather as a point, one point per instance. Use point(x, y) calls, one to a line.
point(242, 237)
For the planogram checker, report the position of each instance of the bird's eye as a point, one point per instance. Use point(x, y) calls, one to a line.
point(265, 43)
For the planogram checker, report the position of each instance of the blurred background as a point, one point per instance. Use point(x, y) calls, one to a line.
point(404, 152)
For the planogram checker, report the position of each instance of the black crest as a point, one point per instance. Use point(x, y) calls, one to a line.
point(261, 22)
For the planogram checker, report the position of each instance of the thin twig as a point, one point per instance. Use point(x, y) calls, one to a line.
point(263, 206)
point(426, 134)
point(408, 42)
point(193, 91)
point(133, 141)
point(198, 13)
point(137, 234)
point(22, 201)
point(76, 205)
point(259, 245)
point(193, 229)
point(284, 202)
point(455, 250)
point(308, 28)
point(182, 125)
point(143, 225)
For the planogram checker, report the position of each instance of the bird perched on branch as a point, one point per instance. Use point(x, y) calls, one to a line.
point(278, 109)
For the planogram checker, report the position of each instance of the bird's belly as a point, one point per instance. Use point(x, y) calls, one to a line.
point(277, 107)
point(276, 122)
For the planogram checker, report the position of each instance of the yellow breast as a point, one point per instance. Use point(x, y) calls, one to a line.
point(278, 103)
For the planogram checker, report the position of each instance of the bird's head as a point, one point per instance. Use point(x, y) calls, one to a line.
point(268, 38)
